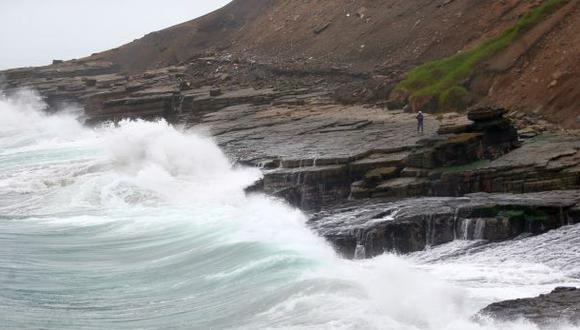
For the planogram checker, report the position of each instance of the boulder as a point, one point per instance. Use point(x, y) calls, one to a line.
point(562, 304)
point(528, 133)
point(485, 113)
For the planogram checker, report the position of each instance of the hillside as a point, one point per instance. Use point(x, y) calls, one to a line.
point(538, 74)
point(362, 35)
point(536, 71)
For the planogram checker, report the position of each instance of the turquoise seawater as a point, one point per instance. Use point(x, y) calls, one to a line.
point(142, 225)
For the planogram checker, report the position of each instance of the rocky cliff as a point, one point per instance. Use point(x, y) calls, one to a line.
point(547, 310)
point(537, 72)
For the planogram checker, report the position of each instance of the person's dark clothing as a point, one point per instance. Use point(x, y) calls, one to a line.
point(420, 118)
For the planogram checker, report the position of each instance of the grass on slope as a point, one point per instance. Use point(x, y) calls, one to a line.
point(441, 78)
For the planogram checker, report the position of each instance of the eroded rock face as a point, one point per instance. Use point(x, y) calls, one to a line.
point(485, 113)
point(414, 224)
point(488, 136)
point(460, 149)
point(379, 154)
point(313, 150)
point(180, 93)
point(561, 305)
point(544, 163)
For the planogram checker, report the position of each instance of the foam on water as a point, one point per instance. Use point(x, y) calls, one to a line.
point(143, 225)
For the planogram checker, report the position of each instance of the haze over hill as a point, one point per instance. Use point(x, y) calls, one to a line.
point(36, 32)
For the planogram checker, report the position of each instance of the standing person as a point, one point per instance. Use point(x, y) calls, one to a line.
point(420, 119)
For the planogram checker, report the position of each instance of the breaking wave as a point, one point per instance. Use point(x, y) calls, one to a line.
point(145, 225)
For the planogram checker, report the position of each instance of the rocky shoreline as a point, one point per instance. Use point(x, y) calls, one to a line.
point(369, 228)
point(308, 93)
point(370, 182)
point(314, 151)
point(562, 305)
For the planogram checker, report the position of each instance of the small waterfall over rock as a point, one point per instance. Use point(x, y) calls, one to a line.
point(471, 229)
point(429, 231)
point(455, 219)
point(360, 252)
point(479, 231)
point(464, 229)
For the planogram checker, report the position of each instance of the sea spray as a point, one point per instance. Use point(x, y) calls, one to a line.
point(143, 225)
point(22, 117)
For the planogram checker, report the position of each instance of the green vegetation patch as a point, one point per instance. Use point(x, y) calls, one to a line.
point(441, 79)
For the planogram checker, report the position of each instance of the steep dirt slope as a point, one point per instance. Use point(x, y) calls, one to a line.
point(545, 80)
point(538, 74)
point(212, 32)
point(356, 34)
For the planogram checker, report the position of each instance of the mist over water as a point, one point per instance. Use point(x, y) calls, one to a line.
point(144, 225)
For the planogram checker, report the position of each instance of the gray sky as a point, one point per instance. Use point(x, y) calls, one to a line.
point(34, 32)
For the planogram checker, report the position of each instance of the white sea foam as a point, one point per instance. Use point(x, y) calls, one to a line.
point(143, 225)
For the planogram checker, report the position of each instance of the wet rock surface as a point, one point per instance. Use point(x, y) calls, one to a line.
point(560, 306)
point(377, 184)
point(316, 154)
point(179, 93)
point(319, 154)
point(410, 225)
point(315, 151)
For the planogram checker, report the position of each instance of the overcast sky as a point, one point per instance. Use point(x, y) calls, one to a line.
point(34, 32)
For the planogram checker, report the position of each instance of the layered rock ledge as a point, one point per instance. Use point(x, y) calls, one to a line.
point(318, 153)
point(560, 306)
point(369, 228)
point(314, 150)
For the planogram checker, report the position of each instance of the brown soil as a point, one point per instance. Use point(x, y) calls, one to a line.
point(385, 37)
point(357, 34)
point(545, 79)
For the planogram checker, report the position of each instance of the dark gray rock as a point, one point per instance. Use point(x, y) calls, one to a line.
point(485, 113)
point(411, 225)
point(561, 305)
point(289, 125)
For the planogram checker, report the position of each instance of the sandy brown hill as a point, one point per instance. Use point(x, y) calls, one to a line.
point(384, 36)
point(359, 34)
point(541, 73)
point(538, 73)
